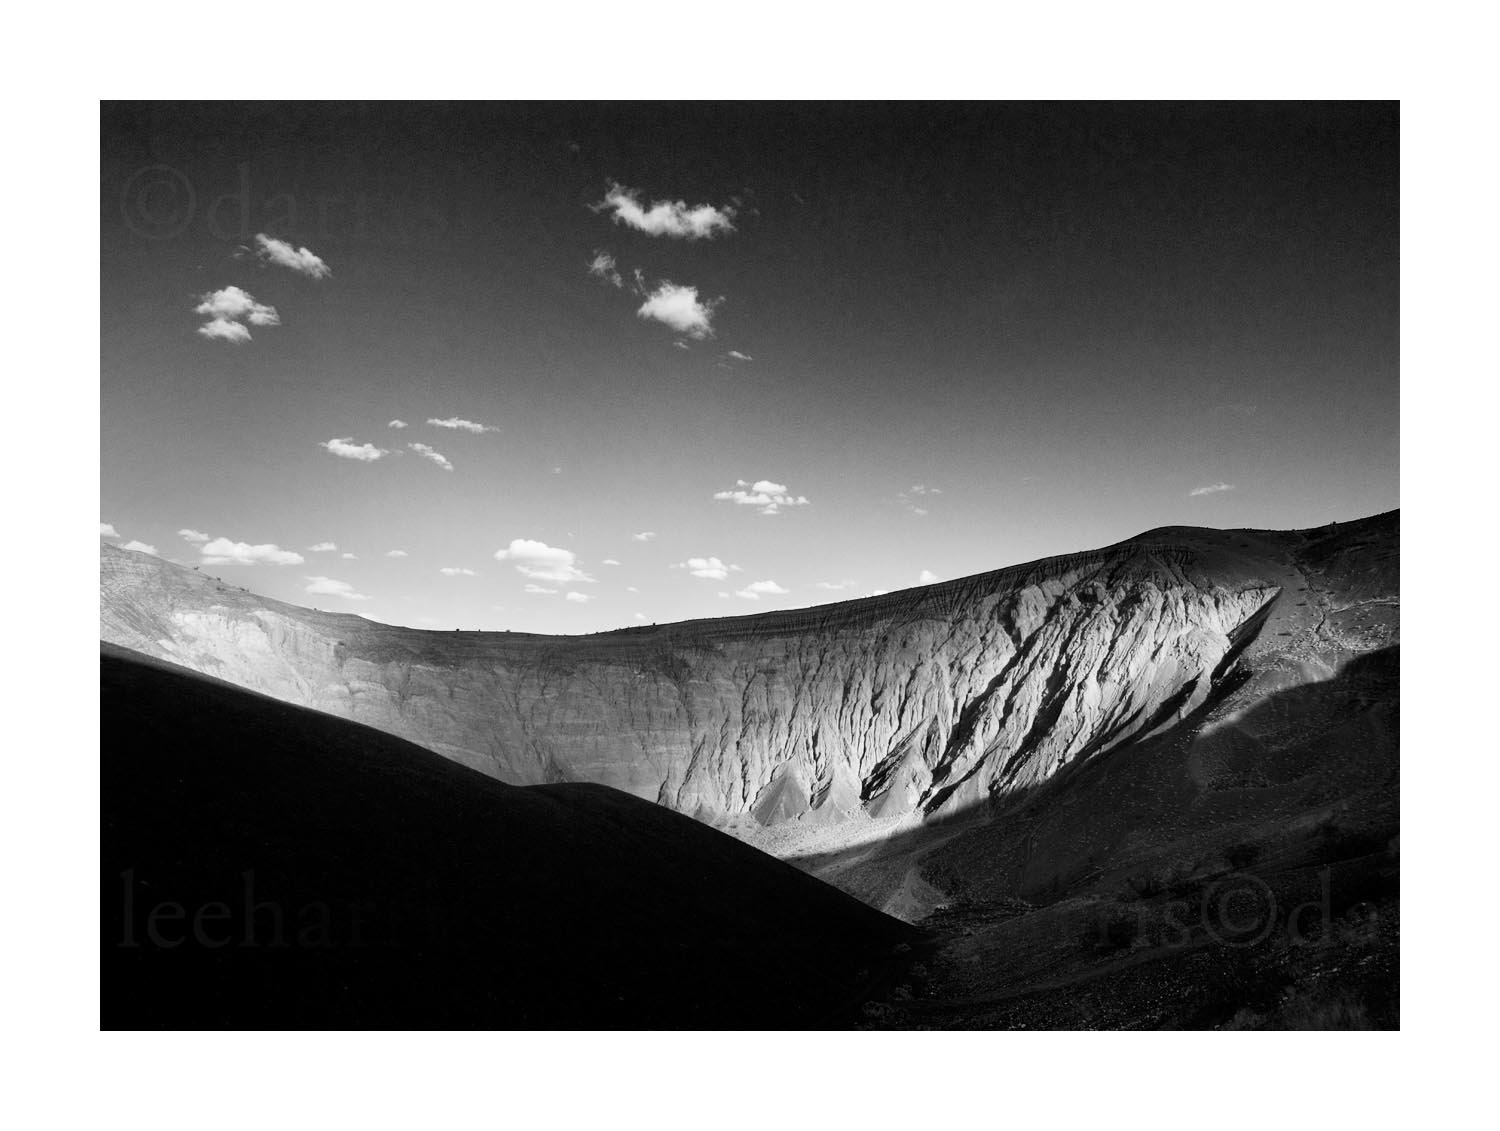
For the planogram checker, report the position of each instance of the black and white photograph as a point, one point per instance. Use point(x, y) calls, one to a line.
point(750, 566)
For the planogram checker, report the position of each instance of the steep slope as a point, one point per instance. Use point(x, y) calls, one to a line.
point(266, 865)
point(924, 702)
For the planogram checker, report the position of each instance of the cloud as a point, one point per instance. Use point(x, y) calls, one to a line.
point(603, 267)
point(711, 568)
point(578, 598)
point(283, 254)
point(227, 312)
point(457, 571)
point(877, 593)
point(436, 457)
point(328, 586)
point(143, 547)
point(320, 548)
point(542, 562)
point(755, 590)
point(665, 218)
point(346, 448)
point(107, 530)
point(926, 577)
point(833, 585)
point(225, 329)
point(350, 557)
point(917, 491)
point(769, 497)
point(644, 536)
point(458, 423)
point(682, 345)
point(396, 424)
point(609, 561)
point(1211, 489)
point(738, 356)
point(638, 616)
point(397, 554)
point(631, 589)
point(221, 551)
point(529, 588)
point(681, 309)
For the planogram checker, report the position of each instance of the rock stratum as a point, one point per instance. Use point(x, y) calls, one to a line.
point(920, 703)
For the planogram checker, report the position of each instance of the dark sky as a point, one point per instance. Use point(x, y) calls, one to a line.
point(1060, 321)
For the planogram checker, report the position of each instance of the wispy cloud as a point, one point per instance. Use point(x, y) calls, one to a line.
point(396, 424)
point(222, 551)
point(833, 585)
point(682, 345)
point(330, 587)
point(457, 571)
point(539, 589)
point(769, 497)
point(107, 530)
point(926, 577)
point(757, 589)
point(349, 557)
point(319, 548)
point(346, 448)
point(916, 496)
point(542, 562)
point(603, 267)
point(711, 568)
point(738, 356)
point(644, 536)
point(1211, 489)
point(429, 454)
point(681, 309)
point(283, 254)
point(143, 547)
point(457, 423)
point(397, 554)
point(229, 310)
point(609, 561)
point(577, 598)
point(676, 219)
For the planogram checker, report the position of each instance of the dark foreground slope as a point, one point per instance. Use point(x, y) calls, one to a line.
point(266, 865)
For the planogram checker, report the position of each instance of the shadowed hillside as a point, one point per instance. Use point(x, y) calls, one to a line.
point(269, 866)
point(880, 711)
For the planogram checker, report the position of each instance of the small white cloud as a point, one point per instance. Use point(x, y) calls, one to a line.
point(530, 588)
point(457, 571)
point(631, 589)
point(757, 589)
point(428, 453)
point(711, 568)
point(917, 491)
point(603, 267)
point(225, 329)
point(542, 562)
point(833, 585)
point(1211, 489)
point(283, 254)
point(769, 497)
point(681, 309)
point(396, 554)
point(320, 548)
point(876, 593)
point(346, 448)
point(349, 557)
point(639, 616)
point(397, 424)
point(228, 310)
point(107, 530)
point(644, 536)
point(926, 577)
point(457, 423)
point(222, 551)
point(609, 561)
point(328, 586)
point(577, 598)
point(143, 547)
point(676, 219)
point(682, 345)
point(738, 356)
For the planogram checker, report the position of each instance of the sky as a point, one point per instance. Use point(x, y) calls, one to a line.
point(565, 368)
